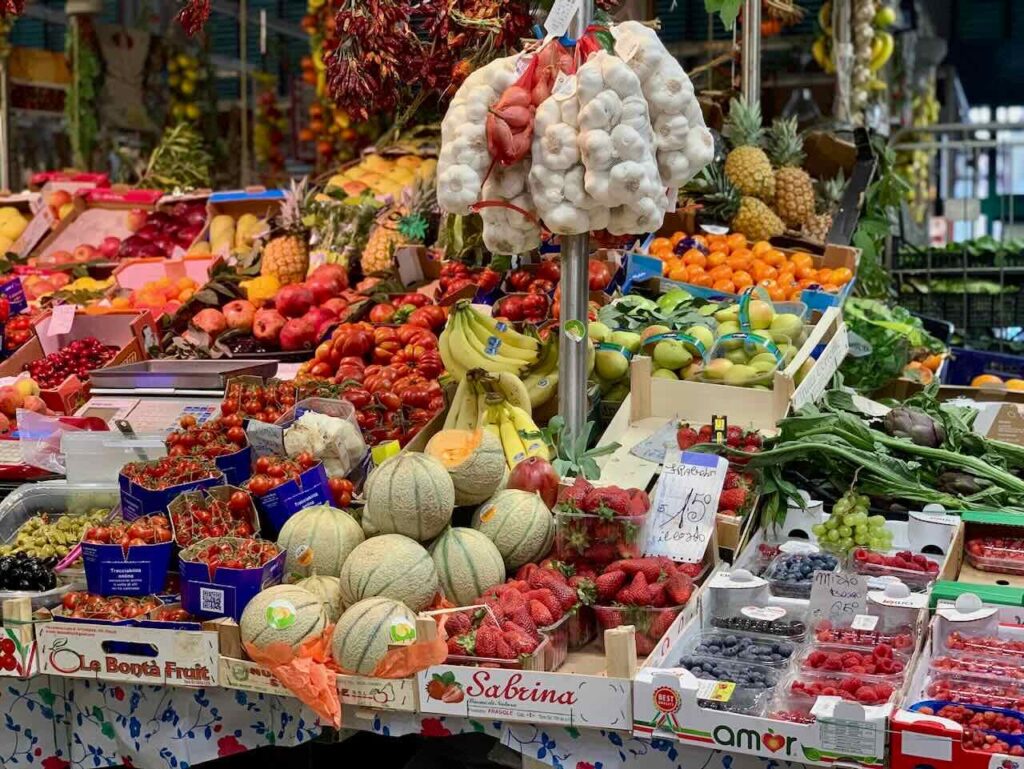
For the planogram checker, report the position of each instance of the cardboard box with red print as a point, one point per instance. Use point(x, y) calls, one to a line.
point(964, 708)
point(133, 333)
point(18, 657)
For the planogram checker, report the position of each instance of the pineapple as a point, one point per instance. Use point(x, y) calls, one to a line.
point(404, 223)
point(747, 166)
point(794, 190)
point(286, 256)
point(743, 213)
point(829, 193)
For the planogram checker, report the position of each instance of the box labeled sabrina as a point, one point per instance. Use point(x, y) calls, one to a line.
point(150, 487)
point(212, 585)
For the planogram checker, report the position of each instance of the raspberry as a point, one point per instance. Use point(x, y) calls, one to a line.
point(867, 695)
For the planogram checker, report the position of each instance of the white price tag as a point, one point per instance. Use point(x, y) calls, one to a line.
point(562, 12)
point(61, 319)
point(866, 622)
point(685, 504)
point(838, 596)
point(564, 87)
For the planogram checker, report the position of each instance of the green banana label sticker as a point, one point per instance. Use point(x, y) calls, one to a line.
point(575, 330)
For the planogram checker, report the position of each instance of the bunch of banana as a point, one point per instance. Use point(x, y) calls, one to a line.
point(876, 42)
point(472, 340)
point(500, 403)
point(542, 380)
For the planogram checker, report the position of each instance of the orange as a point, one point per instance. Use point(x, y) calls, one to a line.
point(760, 247)
point(695, 256)
point(934, 361)
point(985, 380)
point(805, 271)
point(185, 294)
point(701, 239)
point(767, 283)
point(678, 273)
point(742, 279)
point(842, 275)
point(736, 240)
point(918, 372)
point(725, 285)
point(743, 252)
point(738, 262)
point(705, 280)
point(717, 243)
point(716, 258)
point(676, 237)
point(831, 288)
point(777, 294)
point(773, 257)
point(801, 259)
point(693, 271)
point(823, 276)
point(661, 244)
point(721, 272)
point(1015, 384)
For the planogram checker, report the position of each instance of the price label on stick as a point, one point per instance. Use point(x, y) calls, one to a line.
point(560, 16)
point(61, 319)
point(682, 515)
point(838, 596)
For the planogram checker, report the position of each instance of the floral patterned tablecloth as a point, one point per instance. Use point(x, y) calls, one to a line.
point(60, 723)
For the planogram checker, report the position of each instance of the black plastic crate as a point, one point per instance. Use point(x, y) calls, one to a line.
point(968, 312)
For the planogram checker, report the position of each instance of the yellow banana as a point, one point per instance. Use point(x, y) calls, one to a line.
point(511, 443)
point(825, 17)
point(508, 335)
point(469, 412)
point(489, 420)
point(472, 321)
point(452, 419)
point(542, 382)
point(881, 50)
point(514, 391)
point(533, 440)
point(444, 348)
point(819, 53)
point(468, 353)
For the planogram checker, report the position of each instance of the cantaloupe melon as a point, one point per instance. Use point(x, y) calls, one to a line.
point(318, 540)
point(391, 566)
point(467, 564)
point(519, 524)
point(282, 613)
point(410, 494)
point(364, 631)
point(328, 590)
point(474, 460)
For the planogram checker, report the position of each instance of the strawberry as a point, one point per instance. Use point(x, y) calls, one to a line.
point(520, 641)
point(611, 497)
point(558, 568)
point(503, 649)
point(566, 596)
point(704, 433)
point(686, 436)
point(546, 597)
point(609, 583)
point(661, 624)
point(732, 499)
point(585, 571)
point(639, 502)
point(540, 614)
point(585, 589)
point(752, 440)
point(689, 569)
point(656, 594)
point(456, 646)
point(457, 624)
point(522, 617)
point(650, 567)
point(635, 593)
point(734, 436)
point(732, 479)
point(487, 641)
point(678, 589)
point(511, 599)
point(601, 552)
point(525, 570)
point(571, 496)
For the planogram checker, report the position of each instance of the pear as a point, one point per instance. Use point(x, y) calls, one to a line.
point(618, 393)
point(664, 373)
point(598, 331)
point(703, 334)
point(718, 368)
point(671, 354)
point(761, 314)
point(737, 355)
point(740, 375)
point(626, 339)
point(654, 330)
point(803, 371)
point(786, 327)
point(730, 313)
point(611, 365)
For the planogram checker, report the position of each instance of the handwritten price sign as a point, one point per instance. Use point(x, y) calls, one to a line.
point(682, 515)
point(838, 596)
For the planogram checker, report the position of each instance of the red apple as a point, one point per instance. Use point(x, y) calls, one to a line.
point(85, 253)
point(267, 325)
point(136, 219)
point(240, 315)
point(61, 257)
point(110, 246)
point(59, 199)
point(211, 321)
point(536, 474)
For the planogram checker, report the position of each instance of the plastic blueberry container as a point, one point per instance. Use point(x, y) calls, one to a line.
point(783, 585)
point(741, 697)
point(788, 628)
point(717, 644)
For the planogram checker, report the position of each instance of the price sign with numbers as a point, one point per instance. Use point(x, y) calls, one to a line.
point(838, 596)
point(682, 515)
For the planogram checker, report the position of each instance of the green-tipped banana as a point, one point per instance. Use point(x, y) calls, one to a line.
point(533, 439)
point(444, 348)
point(492, 343)
point(511, 443)
point(468, 353)
point(542, 382)
point(489, 419)
point(505, 333)
point(452, 419)
point(469, 409)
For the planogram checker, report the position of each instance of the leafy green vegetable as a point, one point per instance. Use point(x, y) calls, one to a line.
point(727, 9)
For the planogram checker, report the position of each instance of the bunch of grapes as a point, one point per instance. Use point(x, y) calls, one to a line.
point(850, 526)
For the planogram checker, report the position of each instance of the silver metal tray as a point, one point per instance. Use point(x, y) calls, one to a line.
point(179, 374)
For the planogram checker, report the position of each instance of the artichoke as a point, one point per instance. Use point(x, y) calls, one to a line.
point(918, 427)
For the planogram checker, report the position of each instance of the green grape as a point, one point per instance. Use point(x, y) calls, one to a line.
point(864, 502)
point(859, 518)
point(860, 531)
point(819, 530)
point(844, 531)
point(846, 543)
point(831, 523)
point(876, 521)
point(842, 507)
point(833, 536)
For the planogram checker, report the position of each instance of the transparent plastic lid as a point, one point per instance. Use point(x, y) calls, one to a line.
point(790, 574)
point(808, 687)
point(97, 457)
point(954, 688)
point(744, 647)
point(881, 662)
point(978, 668)
point(914, 570)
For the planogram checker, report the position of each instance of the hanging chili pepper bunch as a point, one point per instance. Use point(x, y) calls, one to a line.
point(192, 17)
point(12, 7)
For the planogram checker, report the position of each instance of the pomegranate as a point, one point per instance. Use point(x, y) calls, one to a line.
point(337, 305)
point(240, 315)
point(293, 301)
point(332, 271)
point(297, 334)
point(211, 321)
point(267, 325)
point(323, 288)
point(321, 318)
point(536, 474)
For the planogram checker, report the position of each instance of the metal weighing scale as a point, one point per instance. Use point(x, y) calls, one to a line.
point(153, 395)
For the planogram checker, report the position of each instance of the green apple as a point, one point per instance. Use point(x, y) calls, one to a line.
point(626, 339)
point(718, 368)
point(671, 354)
point(598, 331)
point(664, 373)
point(611, 365)
point(740, 375)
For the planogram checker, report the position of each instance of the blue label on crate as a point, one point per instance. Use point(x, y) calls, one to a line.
point(236, 467)
point(131, 507)
point(289, 498)
point(125, 578)
point(110, 571)
point(15, 293)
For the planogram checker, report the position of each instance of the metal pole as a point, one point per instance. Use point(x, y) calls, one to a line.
point(842, 52)
point(5, 135)
point(751, 51)
point(573, 344)
point(243, 84)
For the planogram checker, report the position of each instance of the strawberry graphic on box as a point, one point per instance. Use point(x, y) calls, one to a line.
point(444, 687)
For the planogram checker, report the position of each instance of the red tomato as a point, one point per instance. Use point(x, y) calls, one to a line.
point(416, 299)
point(550, 269)
point(600, 275)
point(382, 313)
